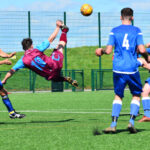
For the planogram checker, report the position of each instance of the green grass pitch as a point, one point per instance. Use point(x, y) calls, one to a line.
point(65, 121)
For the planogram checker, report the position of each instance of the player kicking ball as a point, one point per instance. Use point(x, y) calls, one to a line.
point(3, 92)
point(125, 39)
point(37, 61)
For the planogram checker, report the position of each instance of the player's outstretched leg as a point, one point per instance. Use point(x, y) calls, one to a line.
point(116, 108)
point(72, 82)
point(67, 79)
point(64, 28)
point(63, 38)
point(12, 113)
point(61, 45)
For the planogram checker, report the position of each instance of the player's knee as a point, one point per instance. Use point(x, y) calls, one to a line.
point(4, 96)
point(145, 94)
point(118, 97)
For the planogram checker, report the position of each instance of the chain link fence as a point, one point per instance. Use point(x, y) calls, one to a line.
point(85, 35)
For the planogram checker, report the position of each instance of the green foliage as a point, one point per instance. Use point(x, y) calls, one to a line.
point(66, 121)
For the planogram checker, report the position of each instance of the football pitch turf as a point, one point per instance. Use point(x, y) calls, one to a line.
point(65, 121)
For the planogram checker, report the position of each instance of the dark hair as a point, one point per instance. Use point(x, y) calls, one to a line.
point(26, 43)
point(127, 13)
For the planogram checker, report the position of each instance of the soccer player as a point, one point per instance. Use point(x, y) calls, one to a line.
point(145, 96)
point(4, 94)
point(37, 61)
point(125, 39)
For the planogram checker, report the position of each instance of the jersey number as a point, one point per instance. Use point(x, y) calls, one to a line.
point(125, 42)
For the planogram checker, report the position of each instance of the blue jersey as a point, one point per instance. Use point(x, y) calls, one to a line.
point(42, 47)
point(125, 39)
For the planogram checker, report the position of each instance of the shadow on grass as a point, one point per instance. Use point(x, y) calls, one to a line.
point(96, 132)
point(126, 130)
point(128, 115)
point(60, 121)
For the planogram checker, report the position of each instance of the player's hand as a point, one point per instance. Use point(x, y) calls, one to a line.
point(148, 66)
point(59, 23)
point(7, 62)
point(148, 59)
point(98, 52)
point(3, 81)
point(148, 45)
point(11, 55)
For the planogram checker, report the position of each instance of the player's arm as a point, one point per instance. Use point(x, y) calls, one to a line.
point(44, 45)
point(8, 75)
point(6, 61)
point(142, 62)
point(109, 47)
point(143, 52)
point(101, 51)
point(19, 65)
point(148, 51)
point(140, 45)
point(54, 34)
point(5, 55)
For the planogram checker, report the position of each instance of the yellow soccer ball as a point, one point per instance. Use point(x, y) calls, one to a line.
point(86, 10)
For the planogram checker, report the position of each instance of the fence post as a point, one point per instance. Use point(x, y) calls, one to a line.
point(92, 79)
point(65, 54)
point(73, 78)
point(65, 46)
point(99, 37)
point(99, 44)
point(29, 35)
point(83, 79)
point(33, 83)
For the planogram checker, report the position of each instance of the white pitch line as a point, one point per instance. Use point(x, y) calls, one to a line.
point(64, 112)
point(74, 110)
point(57, 111)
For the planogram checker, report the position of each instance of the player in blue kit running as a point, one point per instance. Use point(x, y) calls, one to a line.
point(4, 94)
point(125, 39)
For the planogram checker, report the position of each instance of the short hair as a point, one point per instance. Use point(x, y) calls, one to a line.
point(127, 13)
point(26, 43)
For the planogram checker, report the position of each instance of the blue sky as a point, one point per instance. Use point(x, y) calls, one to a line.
point(73, 5)
point(13, 25)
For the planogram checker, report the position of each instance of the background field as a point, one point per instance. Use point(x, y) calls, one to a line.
point(65, 121)
point(20, 81)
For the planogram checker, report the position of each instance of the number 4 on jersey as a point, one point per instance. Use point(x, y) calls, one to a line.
point(125, 42)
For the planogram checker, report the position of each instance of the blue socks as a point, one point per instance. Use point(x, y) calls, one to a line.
point(116, 108)
point(134, 109)
point(146, 106)
point(8, 104)
point(117, 105)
